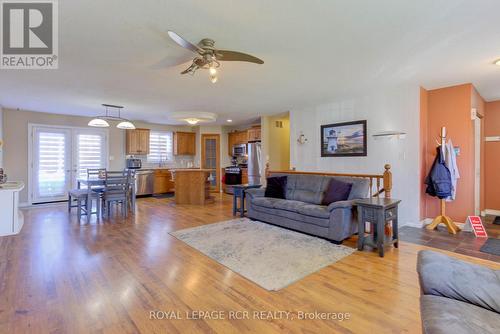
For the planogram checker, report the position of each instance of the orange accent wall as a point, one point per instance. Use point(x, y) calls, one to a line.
point(492, 156)
point(451, 107)
point(424, 117)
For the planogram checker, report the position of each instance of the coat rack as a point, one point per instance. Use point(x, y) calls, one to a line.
point(443, 218)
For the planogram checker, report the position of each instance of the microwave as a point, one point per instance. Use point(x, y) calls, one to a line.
point(239, 150)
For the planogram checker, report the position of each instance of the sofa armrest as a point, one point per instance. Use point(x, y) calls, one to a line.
point(255, 192)
point(341, 205)
point(444, 276)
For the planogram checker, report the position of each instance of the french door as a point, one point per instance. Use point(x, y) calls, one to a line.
point(61, 155)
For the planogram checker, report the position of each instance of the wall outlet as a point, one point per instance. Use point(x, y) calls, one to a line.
point(111, 157)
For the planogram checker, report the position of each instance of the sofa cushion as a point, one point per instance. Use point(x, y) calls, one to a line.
point(360, 186)
point(442, 315)
point(441, 275)
point(306, 188)
point(295, 216)
point(314, 210)
point(267, 202)
point(276, 187)
point(337, 190)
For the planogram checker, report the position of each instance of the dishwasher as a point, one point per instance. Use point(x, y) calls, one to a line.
point(144, 182)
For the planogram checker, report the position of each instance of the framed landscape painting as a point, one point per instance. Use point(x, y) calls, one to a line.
point(344, 139)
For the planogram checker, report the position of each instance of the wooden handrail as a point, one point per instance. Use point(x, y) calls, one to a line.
point(386, 178)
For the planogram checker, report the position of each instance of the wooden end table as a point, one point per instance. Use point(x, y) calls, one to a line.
point(378, 212)
point(239, 192)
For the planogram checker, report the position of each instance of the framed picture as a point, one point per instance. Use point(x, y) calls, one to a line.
point(344, 139)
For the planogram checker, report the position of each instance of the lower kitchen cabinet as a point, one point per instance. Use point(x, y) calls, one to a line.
point(163, 182)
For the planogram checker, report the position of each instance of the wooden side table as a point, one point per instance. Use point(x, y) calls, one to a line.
point(239, 192)
point(377, 212)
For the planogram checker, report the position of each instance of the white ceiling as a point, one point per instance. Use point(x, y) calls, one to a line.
point(117, 51)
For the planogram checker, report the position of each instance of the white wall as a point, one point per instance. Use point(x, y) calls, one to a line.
point(387, 109)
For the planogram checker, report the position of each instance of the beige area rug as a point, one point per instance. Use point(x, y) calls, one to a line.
point(270, 256)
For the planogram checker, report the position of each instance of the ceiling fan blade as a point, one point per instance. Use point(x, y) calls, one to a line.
point(182, 42)
point(226, 55)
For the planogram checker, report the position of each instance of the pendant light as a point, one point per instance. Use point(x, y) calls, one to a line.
point(102, 121)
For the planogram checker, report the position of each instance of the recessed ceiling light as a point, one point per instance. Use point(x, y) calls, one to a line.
point(497, 62)
point(229, 120)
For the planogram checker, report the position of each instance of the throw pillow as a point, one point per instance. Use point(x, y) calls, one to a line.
point(276, 187)
point(337, 191)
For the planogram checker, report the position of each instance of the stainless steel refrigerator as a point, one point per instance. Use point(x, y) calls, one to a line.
point(254, 162)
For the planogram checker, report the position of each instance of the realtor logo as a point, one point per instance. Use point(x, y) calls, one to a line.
point(29, 34)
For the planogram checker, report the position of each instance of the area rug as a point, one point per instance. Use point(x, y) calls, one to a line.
point(491, 246)
point(270, 256)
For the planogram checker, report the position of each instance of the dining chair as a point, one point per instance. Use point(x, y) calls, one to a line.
point(83, 206)
point(116, 191)
point(95, 173)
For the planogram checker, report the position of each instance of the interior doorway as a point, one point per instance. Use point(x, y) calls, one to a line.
point(477, 165)
point(210, 159)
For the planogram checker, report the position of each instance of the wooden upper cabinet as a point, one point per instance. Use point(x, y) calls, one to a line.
point(184, 143)
point(254, 133)
point(137, 142)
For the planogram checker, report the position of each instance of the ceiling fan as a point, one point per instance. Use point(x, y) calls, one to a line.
point(209, 57)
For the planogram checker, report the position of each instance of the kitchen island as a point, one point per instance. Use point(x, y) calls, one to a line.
point(192, 186)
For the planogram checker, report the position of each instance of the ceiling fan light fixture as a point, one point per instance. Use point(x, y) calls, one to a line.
point(98, 123)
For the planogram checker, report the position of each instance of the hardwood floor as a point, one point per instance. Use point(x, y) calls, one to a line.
point(61, 276)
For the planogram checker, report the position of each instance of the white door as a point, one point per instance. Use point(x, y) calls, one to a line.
point(60, 156)
point(51, 172)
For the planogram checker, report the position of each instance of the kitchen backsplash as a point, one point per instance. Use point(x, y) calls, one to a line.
point(178, 162)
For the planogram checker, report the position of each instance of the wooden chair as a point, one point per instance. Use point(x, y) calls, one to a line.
point(82, 196)
point(117, 189)
point(96, 173)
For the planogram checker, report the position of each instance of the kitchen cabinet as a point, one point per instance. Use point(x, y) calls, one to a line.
point(236, 138)
point(137, 142)
point(163, 182)
point(253, 133)
point(184, 143)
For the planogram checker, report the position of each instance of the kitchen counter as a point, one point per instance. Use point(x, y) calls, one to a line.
point(11, 218)
point(192, 186)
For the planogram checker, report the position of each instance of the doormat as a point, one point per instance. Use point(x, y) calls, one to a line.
point(491, 246)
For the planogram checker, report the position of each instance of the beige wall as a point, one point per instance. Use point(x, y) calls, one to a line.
point(15, 126)
point(276, 142)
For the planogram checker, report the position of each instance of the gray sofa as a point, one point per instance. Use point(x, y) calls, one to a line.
point(302, 209)
point(457, 297)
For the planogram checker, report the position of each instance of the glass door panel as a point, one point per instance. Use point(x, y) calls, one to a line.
point(210, 159)
point(51, 164)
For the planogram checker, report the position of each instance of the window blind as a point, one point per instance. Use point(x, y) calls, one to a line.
point(90, 153)
point(51, 163)
point(160, 146)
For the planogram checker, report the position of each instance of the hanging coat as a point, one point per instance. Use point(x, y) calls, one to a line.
point(439, 179)
point(450, 160)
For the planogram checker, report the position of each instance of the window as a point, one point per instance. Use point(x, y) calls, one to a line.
point(160, 146)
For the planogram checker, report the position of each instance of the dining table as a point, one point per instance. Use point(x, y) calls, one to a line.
point(101, 182)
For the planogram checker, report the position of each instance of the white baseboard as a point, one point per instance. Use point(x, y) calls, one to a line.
point(491, 212)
